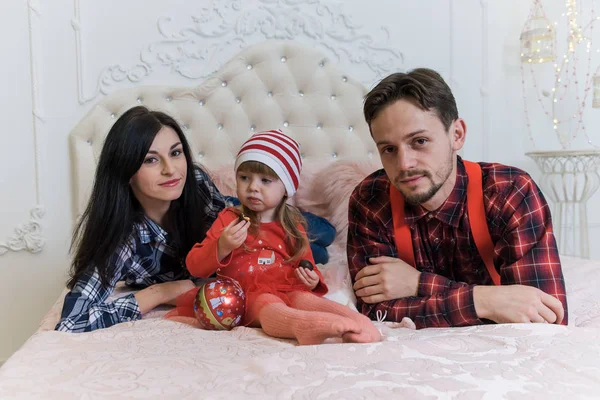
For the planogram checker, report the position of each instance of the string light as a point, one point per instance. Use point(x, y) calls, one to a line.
point(538, 46)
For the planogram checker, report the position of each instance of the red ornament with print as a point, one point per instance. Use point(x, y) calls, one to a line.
point(220, 304)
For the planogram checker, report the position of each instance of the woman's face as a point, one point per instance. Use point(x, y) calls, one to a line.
point(162, 175)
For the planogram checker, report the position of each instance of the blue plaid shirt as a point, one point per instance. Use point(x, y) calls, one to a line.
point(146, 258)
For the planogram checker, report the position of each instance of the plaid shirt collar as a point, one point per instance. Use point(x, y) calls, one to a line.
point(451, 211)
point(149, 231)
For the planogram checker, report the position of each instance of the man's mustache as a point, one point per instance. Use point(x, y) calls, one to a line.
point(407, 174)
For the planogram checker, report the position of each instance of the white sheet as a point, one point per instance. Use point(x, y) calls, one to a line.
point(155, 358)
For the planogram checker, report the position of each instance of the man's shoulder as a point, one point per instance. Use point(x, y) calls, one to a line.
point(499, 177)
point(373, 186)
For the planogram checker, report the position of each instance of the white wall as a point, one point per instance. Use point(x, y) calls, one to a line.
point(57, 62)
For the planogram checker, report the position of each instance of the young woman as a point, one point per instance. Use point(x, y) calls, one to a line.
point(149, 205)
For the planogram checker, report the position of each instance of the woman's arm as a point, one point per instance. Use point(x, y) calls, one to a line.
point(85, 309)
point(162, 293)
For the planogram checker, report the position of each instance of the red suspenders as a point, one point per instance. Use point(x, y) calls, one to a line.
point(477, 222)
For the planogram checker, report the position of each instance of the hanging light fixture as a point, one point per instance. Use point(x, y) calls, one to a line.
point(538, 38)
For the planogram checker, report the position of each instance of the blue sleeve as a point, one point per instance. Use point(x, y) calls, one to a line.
point(320, 254)
point(234, 201)
point(84, 308)
point(319, 230)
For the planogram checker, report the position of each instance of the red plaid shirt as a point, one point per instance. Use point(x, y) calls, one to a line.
point(519, 223)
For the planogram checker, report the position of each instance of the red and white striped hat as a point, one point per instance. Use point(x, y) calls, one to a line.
point(278, 151)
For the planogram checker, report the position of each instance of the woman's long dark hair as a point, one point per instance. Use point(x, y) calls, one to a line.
point(112, 210)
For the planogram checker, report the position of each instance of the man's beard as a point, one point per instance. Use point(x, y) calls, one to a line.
point(420, 198)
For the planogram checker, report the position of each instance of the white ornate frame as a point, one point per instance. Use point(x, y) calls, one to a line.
point(233, 27)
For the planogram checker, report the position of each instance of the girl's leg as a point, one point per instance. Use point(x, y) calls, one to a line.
point(309, 302)
point(308, 327)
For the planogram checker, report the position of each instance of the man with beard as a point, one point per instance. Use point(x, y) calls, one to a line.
point(441, 240)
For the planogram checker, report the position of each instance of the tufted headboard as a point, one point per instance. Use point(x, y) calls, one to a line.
point(275, 84)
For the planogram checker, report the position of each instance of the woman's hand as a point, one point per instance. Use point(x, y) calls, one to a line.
point(232, 237)
point(162, 293)
point(308, 277)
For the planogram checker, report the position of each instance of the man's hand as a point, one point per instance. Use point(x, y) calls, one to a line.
point(386, 278)
point(516, 303)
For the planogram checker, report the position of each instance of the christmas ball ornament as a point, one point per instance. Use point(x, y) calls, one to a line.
point(220, 304)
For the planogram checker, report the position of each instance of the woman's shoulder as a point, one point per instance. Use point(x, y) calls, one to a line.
point(203, 177)
point(200, 174)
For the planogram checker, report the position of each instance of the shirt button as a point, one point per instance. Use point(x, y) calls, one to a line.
point(429, 216)
point(436, 240)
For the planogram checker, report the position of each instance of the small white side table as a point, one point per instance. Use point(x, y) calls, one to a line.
point(569, 179)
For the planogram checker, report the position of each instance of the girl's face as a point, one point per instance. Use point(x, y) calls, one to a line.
point(162, 175)
point(260, 193)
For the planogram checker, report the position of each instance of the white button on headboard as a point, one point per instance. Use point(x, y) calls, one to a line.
point(278, 84)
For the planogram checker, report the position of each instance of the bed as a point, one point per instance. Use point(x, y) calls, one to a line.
point(294, 87)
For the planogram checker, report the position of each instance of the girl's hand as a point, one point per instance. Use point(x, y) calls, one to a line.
point(232, 237)
point(308, 277)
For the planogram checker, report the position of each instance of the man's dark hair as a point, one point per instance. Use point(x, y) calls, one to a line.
point(423, 87)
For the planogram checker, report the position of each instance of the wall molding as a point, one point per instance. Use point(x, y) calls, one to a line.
point(197, 50)
point(28, 236)
point(452, 79)
point(595, 225)
point(485, 92)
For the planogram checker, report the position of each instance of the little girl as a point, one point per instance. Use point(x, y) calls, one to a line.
point(263, 245)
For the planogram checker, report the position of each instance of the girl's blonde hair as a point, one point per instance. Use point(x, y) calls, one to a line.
point(289, 216)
